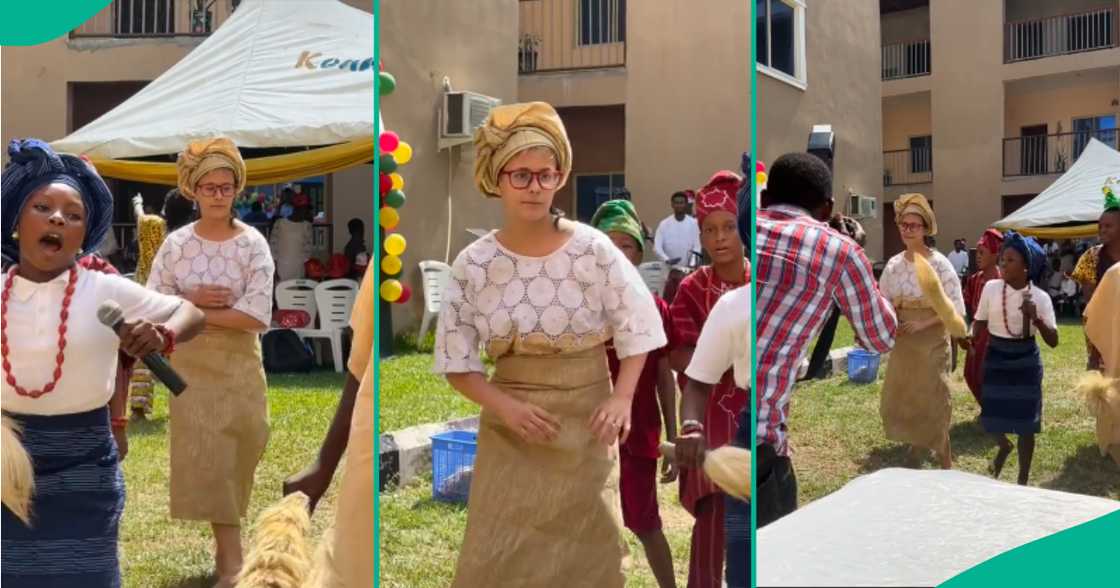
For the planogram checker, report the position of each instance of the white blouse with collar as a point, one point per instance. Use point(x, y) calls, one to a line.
point(90, 366)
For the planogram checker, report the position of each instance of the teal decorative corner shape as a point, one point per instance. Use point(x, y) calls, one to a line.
point(32, 23)
point(1084, 555)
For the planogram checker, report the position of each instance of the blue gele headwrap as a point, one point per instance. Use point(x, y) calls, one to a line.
point(33, 164)
point(1031, 251)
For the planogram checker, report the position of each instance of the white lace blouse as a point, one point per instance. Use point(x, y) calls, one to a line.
point(899, 282)
point(243, 264)
point(579, 296)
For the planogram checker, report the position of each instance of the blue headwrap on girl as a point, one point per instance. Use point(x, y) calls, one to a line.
point(745, 201)
point(33, 164)
point(1031, 251)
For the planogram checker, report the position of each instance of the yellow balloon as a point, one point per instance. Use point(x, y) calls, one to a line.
point(761, 177)
point(398, 181)
point(395, 244)
point(403, 154)
point(391, 265)
point(389, 217)
point(391, 290)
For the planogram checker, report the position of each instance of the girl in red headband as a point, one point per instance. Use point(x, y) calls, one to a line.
point(716, 211)
point(987, 258)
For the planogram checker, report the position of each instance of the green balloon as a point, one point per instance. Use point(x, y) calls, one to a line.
point(388, 83)
point(395, 198)
point(388, 164)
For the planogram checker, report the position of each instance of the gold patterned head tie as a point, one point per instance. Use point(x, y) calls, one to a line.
point(204, 156)
point(511, 129)
point(916, 204)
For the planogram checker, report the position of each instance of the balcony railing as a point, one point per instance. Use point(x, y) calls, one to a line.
point(559, 35)
point(905, 167)
point(1040, 155)
point(1060, 35)
point(906, 60)
point(156, 18)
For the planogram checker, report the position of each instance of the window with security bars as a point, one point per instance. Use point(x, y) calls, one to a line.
point(602, 22)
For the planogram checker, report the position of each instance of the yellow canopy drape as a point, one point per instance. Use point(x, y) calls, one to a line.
point(274, 169)
point(1070, 232)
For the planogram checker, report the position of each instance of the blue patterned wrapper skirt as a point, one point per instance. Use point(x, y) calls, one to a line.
point(75, 510)
point(1011, 396)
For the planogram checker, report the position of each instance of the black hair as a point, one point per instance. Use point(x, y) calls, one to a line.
point(557, 214)
point(256, 207)
point(178, 210)
point(799, 179)
point(356, 226)
point(679, 195)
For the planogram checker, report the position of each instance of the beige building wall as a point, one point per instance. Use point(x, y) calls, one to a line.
point(593, 87)
point(688, 96)
point(973, 100)
point(905, 26)
point(34, 90)
point(967, 115)
point(904, 117)
point(477, 50)
point(844, 90)
point(1059, 99)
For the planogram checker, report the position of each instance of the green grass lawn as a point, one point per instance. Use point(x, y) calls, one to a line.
point(420, 537)
point(836, 432)
point(158, 552)
point(410, 394)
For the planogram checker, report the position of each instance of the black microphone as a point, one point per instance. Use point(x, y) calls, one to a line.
point(111, 315)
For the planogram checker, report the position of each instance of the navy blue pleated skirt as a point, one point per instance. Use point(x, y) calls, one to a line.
point(76, 508)
point(1012, 398)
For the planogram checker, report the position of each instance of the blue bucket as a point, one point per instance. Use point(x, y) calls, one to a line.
point(452, 465)
point(863, 366)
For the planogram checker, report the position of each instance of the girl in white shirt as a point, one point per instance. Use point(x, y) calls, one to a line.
point(219, 430)
point(1012, 309)
point(60, 366)
point(541, 296)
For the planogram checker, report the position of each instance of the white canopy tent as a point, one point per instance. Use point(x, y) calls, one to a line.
point(278, 73)
point(1074, 198)
point(901, 527)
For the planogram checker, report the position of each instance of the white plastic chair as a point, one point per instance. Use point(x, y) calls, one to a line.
point(655, 274)
point(435, 275)
point(334, 300)
point(298, 294)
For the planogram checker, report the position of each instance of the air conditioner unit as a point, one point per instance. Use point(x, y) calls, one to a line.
point(863, 206)
point(462, 113)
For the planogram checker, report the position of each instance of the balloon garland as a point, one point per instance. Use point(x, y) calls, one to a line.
point(394, 154)
point(760, 178)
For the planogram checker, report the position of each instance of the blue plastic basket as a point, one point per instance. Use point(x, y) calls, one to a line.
point(863, 366)
point(452, 464)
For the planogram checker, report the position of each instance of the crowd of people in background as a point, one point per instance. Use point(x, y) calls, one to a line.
point(1062, 280)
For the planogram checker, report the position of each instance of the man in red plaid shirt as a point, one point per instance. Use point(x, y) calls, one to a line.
point(804, 268)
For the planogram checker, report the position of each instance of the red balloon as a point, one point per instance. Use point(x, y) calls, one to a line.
point(389, 141)
point(386, 184)
point(759, 167)
point(406, 293)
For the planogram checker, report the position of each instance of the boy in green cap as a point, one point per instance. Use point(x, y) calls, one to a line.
point(639, 454)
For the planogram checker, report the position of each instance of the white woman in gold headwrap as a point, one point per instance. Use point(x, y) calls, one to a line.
point(219, 426)
point(915, 404)
point(542, 295)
